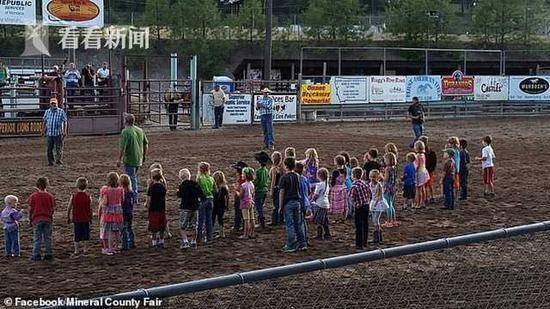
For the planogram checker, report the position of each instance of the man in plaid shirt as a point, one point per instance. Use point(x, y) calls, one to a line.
point(55, 130)
point(360, 196)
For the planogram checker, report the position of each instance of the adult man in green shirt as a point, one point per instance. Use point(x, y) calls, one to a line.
point(133, 149)
point(260, 184)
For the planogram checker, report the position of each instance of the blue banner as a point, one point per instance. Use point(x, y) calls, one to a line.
point(425, 87)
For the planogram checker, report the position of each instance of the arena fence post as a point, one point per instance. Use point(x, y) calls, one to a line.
point(299, 101)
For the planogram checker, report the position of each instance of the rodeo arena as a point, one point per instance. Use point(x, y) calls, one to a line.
point(341, 177)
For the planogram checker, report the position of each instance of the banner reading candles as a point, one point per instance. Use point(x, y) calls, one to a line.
point(491, 88)
point(457, 85)
point(315, 94)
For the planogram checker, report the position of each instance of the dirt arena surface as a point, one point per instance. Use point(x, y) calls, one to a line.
point(522, 186)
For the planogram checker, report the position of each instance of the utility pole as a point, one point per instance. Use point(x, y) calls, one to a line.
point(268, 40)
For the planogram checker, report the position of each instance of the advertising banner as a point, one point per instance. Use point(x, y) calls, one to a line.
point(69, 13)
point(237, 109)
point(315, 94)
point(350, 89)
point(385, 89)
point(491, 88)
point(18, 12)
point(21, 127)
point(426, 87)
point(284, 107)
point(457, 85)
point(529, 88)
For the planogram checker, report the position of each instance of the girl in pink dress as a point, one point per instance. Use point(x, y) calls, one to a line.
point(422, 175)
point(110, 214)
point(338, 193)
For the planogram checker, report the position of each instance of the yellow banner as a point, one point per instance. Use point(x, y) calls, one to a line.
point(316, 94)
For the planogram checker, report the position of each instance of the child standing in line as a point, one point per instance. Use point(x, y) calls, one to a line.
point(353, 162)
point(290, 152)
point(260, 185)
point(409, 181)
point(304, 197)
point(312, 165)
point(377, 204)
point(41, 208)
point(221, 200)
point(79, 212)
point(448, 179)
point(431, 164)
point(390, 183)
point(289, 204)
point(349, 206)
point(191, 195)
point(275, 174)
point(338, 193)
point(422, 175)
point(464, 169)
point(156, 206)
point(454, 144)
point(239, 180)
point(321, 204)
point(111, 197)
point(127, 212)
point(487, 164)
point(246, 196)
point(10, 217)
point(153, 166)
point(206, 182)
point(371, 163)
point(361, 196)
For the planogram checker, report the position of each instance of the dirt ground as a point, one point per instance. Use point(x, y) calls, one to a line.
point(523, 190)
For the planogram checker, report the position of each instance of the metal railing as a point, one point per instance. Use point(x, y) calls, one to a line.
point(504, 268)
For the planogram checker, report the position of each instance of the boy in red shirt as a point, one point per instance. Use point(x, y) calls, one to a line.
point(79, 213)
point(42, 205)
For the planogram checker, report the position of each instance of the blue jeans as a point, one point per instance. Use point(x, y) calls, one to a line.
point(448, 192)
point(42, 234)
point(390, 199)
point(294, 229)
point(464, 184)
point(259, 200)
point(267, 127)
point(54, 143)
point(11, 243)
point(238, 220)
point(127, 234)
point(205, 219)
point(131, 171)
point(218, 116)
point(418, 130)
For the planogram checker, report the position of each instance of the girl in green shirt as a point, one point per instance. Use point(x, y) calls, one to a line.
point(206, 182)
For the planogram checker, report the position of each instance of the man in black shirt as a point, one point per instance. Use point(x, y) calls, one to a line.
point(416, 114)
point(289, 201)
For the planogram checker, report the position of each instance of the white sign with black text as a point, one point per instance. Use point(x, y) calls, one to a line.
point(490, 88)
point(284, 107)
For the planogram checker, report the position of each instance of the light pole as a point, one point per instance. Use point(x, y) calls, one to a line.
point(268, 40)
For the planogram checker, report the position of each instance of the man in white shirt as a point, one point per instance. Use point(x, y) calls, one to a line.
point(488, 166)
point(72, 81)
point(218, 98)
point(103, 75)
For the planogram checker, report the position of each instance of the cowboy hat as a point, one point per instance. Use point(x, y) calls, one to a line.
point(266, 90)
point(263, 157)
point(239, 165)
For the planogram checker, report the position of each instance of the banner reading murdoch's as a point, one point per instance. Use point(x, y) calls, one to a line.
point(18, 12)
point(73, 13)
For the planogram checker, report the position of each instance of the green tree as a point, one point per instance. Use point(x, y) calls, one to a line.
point(496, 21)
point(533, 15)
point(157, 15)
point(251, 17)
point(204, 15)
point(420, 20)
point(333, 19)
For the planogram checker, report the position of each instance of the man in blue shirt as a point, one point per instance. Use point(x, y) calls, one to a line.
point(265, 108)
point(55, 129)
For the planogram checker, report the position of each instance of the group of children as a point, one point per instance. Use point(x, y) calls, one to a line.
point(303, 194)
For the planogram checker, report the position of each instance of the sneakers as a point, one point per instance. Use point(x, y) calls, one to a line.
point(193, 244)
point(302, 248)
point(185, 245)
point(388, 224)
point(287, 249)
point(107, 252)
